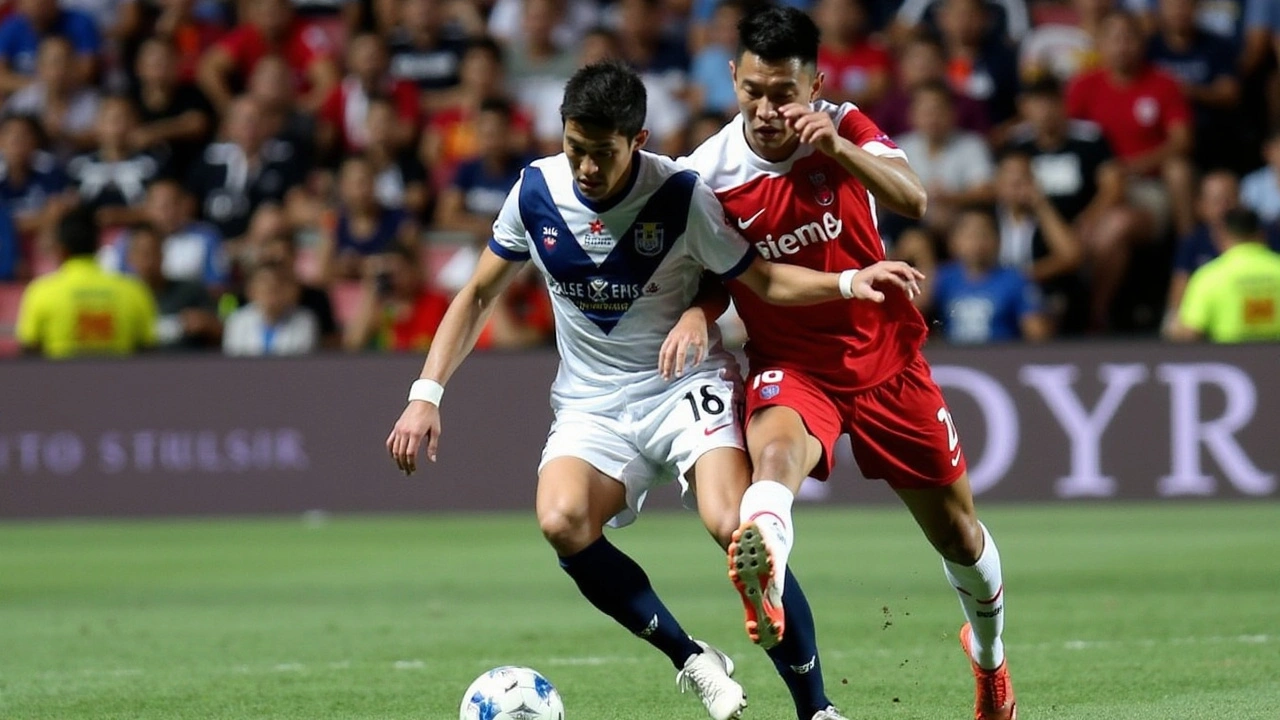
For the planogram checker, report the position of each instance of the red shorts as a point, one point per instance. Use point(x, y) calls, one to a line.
point(902, 431)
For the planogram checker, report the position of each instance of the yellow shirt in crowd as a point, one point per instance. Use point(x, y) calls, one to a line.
point(81, 309)
point(1236, 296)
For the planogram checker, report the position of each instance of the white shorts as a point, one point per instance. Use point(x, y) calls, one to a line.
point(654, 439)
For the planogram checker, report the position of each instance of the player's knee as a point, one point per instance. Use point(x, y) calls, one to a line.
point(962, 542)
point(568, 531)
point(779, 459)
point(722, 527)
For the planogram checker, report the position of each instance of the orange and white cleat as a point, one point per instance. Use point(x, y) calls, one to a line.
point(993, 698)
point(751, 569)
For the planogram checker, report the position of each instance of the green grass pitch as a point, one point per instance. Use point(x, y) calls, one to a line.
point(1132, 612)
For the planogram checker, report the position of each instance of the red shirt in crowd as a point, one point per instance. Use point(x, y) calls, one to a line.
point(413, 328)
point(458, 140)
point(347, 108)
point(303, 46)
point(1136, 118)
point(850, 71)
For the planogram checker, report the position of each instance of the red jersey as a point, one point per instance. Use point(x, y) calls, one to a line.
point(302, 46)
point(1136, 118)
point(347, 108)
point(809, 211)
point(851, 70)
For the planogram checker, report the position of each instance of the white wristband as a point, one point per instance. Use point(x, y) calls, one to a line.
point(846, 283)
point(426, 391)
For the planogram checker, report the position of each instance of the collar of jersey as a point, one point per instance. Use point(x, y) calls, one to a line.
point(612, 201)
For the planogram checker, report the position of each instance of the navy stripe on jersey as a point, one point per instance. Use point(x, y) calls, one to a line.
point(507, 253)
point(605, 292)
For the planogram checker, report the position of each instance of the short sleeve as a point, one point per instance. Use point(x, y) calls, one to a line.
point(1195, 309)
point(712, 243)
point(510, 240)
point(862, 131)
point(1176, 110)
point(31, 312)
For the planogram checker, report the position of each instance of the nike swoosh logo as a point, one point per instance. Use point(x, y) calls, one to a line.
point(955, 460)
point(712, 431)
point(744, 224)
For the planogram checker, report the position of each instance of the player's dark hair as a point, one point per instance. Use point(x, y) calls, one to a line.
point(1242, 223)
point(1047, 87)
point(607, 96)
point(779, 33)
point(78, 233)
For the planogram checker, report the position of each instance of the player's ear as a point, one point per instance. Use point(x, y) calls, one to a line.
point(640, 139)
point(819, 78)
point(733, 72)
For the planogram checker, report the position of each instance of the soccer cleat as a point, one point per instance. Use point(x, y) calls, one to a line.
point(751, 570)
point(831, 713)
point(993, 698)
point(709, 674)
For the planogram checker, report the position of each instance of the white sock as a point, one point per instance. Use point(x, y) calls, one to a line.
point(768, 503)
point(981, 591)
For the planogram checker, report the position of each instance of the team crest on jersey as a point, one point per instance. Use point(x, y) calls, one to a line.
point(598, 290)
point(822, 192)
point(549, 238)
point(769, 392)
point(649, 239)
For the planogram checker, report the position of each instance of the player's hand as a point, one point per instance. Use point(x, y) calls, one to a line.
point(813, 126)
point(689, 335)
point(420, 421)
point(886, 272)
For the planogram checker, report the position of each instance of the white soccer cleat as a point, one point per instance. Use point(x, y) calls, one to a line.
point(831, 713)
point(709, 674)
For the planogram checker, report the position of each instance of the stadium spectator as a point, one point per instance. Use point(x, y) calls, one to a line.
point(663, 65)
point(533, 58)
point(1219, 195)
point(338, 19)
point(32, 183)
point(954, 165)
point(978, 300)
point(173, 114)
point(450, 137)
point(191, 249)
point(269, 241)
point(270, 87)
point(65, 108)
point(857, 68)
point(1145, 118)
point(472, 201)
point(576, 18)
point(1260, 190)
point(81, 309)
point(12, 264)
point(1064, 48)
point(246, 170)
point(400, 179)
point(1003, 20)
point(979, 66)
point(1038, 242)
point(22, 33)
point(187, 317)
point(1249, 26)
point(112, 180)
point(271, 29)
point(398, 311)
point(711, 88)
point(361, 227)
point(1205, 67)
point(923, 61)
point(344, 117)
point(190, 27)
point(423, 52)
point(273, 323)
point(1235, 297)
point(702, 127)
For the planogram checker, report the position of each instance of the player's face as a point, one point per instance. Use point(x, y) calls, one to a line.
point(601, 159)
point(763, 87)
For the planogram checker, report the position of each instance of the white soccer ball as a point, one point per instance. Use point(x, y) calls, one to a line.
point(511, 693)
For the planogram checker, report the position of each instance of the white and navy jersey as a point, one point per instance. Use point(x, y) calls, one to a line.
point(620, 272)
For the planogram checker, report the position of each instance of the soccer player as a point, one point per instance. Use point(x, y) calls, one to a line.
point(801, 179)
point(623, 238)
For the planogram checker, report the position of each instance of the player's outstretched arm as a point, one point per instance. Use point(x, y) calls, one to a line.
point(691, 333)
point(783, 284)
point(454, 340)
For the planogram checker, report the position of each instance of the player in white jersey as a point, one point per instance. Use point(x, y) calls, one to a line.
point(623, 238)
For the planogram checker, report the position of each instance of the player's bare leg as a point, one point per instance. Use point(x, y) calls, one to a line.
point(575, 500)
point(972, 565)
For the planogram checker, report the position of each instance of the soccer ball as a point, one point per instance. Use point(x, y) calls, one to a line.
point(512, 693)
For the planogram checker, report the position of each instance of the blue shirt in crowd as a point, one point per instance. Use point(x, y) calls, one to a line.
point(987, 308)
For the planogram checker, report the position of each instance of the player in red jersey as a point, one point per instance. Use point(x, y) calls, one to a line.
point(801, 179)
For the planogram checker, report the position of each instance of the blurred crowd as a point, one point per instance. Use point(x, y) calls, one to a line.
point(278, 177)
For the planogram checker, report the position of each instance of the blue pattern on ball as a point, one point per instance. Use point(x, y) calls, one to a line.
point(542, 686)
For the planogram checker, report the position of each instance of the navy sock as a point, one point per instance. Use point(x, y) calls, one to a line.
point(619, 588)
point(796, 657)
